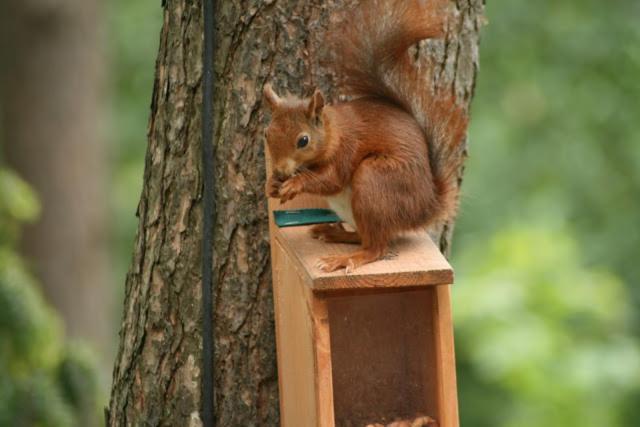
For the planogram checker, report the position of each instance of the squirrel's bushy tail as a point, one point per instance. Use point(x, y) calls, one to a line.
point(370, 54)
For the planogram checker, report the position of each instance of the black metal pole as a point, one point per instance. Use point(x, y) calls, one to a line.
point(208, 167)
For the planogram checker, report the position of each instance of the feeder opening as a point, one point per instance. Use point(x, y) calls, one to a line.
point(383, 357)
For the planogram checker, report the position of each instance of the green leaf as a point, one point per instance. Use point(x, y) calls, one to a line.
point(17, 200)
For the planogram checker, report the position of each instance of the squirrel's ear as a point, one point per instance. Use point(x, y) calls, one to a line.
point(316, 104)
point(272, 98)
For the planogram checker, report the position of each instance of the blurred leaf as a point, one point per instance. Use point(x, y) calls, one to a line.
point(78, 381)
point(31, 332)
point(44, 382)
point(17, 199)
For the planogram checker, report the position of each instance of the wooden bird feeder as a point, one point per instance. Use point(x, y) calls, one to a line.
point(370, 347)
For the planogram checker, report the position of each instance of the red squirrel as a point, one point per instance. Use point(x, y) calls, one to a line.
point(387, 161)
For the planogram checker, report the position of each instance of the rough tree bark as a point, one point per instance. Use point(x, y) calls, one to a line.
point(51, 78)
point(156, 379)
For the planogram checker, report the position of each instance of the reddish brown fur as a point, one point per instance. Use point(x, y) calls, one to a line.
point(396, 145)
point(334, 233)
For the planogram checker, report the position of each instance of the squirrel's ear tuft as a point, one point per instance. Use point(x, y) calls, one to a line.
point(316, 104)
point(272, 98)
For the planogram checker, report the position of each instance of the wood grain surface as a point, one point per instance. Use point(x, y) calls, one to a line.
point(412, 261)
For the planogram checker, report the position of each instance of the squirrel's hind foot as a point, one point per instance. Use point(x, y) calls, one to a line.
point(334, 233)
point(349, 262)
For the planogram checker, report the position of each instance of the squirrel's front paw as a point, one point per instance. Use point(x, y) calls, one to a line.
point(290, 189)
point(273, 185)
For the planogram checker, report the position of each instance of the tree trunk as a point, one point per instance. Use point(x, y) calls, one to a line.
point(51, 80)
point(157, 375)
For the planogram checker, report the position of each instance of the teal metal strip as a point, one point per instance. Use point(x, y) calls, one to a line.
point(292, 218)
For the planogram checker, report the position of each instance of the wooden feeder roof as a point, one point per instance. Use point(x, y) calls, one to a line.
point(413, 261)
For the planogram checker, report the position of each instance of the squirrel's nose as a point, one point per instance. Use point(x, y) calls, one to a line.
point(286, 168)
point(279, 174)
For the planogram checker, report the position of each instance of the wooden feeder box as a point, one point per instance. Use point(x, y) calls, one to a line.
point(370, 347)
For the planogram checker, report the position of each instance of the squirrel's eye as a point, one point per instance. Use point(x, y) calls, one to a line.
point(303, 141)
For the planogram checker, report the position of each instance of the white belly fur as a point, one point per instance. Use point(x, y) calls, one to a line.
point(341, 205)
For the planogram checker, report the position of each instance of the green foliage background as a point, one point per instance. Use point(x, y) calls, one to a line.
point(547, 245)
point(46, 381)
